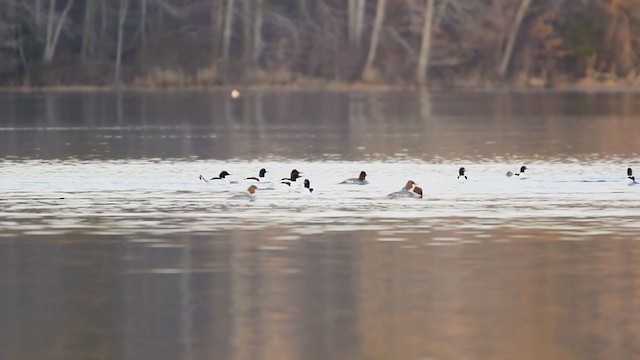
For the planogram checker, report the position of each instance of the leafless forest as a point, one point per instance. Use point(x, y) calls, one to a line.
point(437, 43)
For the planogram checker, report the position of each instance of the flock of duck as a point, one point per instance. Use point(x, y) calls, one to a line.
point(410, 190)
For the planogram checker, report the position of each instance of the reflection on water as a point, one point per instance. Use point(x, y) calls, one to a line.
point(320, 125)
point(110, 248)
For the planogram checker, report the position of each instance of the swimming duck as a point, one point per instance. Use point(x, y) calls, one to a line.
point(360, 180)
point(249, 195)
point(295, 175)
point(260, 181)
point(410, 190)
point(521, 174)
point(631, 177)
point(307, 187)
point(461, 176)
point(260, 177)
point(220, 179)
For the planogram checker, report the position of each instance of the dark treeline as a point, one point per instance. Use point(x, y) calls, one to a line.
point(446, 43)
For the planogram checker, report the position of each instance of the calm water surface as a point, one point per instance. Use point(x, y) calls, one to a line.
point(111, 248)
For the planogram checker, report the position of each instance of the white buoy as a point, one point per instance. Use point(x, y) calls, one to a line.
point(235, 94)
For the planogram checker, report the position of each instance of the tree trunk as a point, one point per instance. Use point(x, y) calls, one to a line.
point(103, 24)
point(38, 15)
point(356, 21)
point(511, 39)
point(226, 35)
point(143, 23)
point(247, 29)
point(217, 23)
point(425, 47)
point(257, 32)
point(53, 36)
point(122, 15)
point(49, 31)
point(86, 49)
point(375, 35)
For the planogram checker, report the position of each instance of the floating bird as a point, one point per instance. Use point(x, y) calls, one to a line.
point(410, 190)
point(295, 175)
point(360, 180)
point(307, 187)
point(521, 174)
point(249, 195)
point(461, 176)
point(631, 177)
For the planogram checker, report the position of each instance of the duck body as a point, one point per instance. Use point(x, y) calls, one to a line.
point(360, 180)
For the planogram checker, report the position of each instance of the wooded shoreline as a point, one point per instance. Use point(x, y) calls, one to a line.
point(437, 44)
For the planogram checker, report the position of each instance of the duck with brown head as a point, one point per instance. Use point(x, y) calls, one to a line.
point(360, 180)
point(410, 190)
point(249, 195)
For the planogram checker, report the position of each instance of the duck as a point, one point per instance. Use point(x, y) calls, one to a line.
point(410, 190)
point(461, 175)
point(360, 180)
point(249, 195)
point(220, 179)
point(307, 189)
point(632, 179)
point(260, 181)
point(520, 174)
point(295, 175)
point(261, 175)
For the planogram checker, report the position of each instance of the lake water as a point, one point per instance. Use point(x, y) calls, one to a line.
point(111, 248)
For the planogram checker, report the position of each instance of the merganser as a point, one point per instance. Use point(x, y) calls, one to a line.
point(307, 186)
point(295, 175)
point(360, 180)
point(461, 176)
point(221, 176)
point(249, 195)
point(631, 177)
point(521, 174)
point(260, 181)
point(260, 175)
point(410, 190)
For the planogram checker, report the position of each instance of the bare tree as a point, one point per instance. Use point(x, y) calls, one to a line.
point(375, 35)
point(226, 35)
point(217, 24)
point(356, 12)
point(88, 36)
point(143, 22)
point(425, 48)
point(257, 32)
point(122, 15)
point(511, 39)
point(54, 26)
